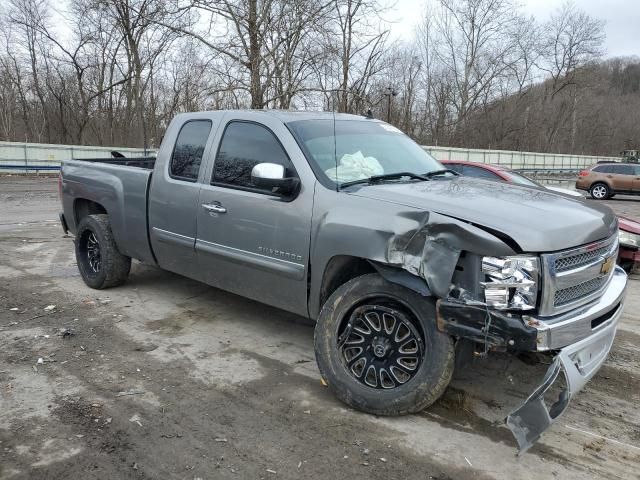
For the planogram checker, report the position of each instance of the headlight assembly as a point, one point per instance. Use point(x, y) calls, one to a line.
point(511, 282)
point(628, 239)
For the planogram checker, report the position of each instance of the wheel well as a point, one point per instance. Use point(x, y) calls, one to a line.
point(339, 270)
point(83, 207)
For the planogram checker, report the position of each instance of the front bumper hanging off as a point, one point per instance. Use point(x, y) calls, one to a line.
point(578, 362)
point(581, 340)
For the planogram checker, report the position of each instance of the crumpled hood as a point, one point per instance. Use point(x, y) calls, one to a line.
point(537, 219)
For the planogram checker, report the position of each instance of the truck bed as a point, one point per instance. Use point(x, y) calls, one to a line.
point(139, 162)
point(121, 190)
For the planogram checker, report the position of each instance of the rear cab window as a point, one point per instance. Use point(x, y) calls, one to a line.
point(189, 149)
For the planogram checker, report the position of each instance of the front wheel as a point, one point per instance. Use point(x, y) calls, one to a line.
point(378, 348)
point(100, 263)
point(600, 191)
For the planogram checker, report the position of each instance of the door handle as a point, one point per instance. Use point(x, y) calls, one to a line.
point(214, 207)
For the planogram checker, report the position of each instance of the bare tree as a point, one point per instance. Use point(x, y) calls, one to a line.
point(477, 72)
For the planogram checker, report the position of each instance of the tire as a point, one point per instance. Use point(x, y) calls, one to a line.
point(600, 191)
point(109, 268)
point(337, 322)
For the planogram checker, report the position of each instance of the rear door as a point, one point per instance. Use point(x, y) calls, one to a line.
point(175, 187)
point(636, 178)
point(251, 241)
point(622, 177)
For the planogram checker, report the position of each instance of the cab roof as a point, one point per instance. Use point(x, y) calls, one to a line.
point(287, 116)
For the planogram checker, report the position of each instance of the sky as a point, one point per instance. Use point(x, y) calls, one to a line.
point(622, 19)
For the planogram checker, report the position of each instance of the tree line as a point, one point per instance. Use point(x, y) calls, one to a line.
point(474, 73)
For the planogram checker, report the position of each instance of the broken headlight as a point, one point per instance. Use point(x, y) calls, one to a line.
point(511, 282)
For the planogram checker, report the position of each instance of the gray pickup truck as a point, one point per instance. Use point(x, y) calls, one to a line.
point(407, 268)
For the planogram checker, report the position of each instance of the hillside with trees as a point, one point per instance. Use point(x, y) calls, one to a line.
point(597, 112)
point(474, 73)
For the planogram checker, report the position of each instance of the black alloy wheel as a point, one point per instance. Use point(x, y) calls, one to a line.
point(381, 347)
point(99, 261)
point(92, 248)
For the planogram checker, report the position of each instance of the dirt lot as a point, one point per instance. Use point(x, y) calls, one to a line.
point(169, 378)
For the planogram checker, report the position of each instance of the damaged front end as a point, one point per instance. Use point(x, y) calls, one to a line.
point(489, 292)
point(580, 340)
point(493, 294)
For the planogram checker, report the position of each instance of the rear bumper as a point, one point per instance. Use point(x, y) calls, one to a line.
point(566, 329)
point(582, 185)
point(579, 362)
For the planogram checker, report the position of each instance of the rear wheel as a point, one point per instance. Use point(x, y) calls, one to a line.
point(100, 263)
point(600, 191)
point(378, 348)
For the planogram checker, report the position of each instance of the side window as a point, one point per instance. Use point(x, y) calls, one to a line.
point(243, 146)
point(188, 150)
point(453, 166)
point(623, 169)
point(478, 172)
point(601, 169)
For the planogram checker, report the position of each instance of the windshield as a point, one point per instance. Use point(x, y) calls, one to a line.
point(519, 179)
point(360, 149)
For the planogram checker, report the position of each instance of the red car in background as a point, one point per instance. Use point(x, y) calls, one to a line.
point(629, 235)
point(497, 172)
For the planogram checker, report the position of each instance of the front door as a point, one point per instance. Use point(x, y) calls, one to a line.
point(251, 241)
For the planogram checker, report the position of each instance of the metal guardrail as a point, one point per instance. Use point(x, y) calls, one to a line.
point(19, 157)
point(29, 168)
point(532, 161)
point(35, 157)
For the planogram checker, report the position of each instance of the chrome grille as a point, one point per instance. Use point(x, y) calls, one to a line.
point(568, 295)
point(567, 263)
point(574, 277)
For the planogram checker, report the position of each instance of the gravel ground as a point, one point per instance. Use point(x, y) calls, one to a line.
point(165, 377)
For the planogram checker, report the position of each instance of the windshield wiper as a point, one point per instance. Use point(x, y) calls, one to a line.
point(440, 172)
point(387, 176)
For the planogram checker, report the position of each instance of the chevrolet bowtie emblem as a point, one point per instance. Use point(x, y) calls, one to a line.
point(607, 265)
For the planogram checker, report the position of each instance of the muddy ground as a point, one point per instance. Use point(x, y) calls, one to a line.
point(165, 377)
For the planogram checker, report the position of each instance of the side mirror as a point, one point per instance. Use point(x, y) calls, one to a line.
point(272, 176)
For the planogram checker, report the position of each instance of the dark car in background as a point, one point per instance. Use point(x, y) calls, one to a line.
point(605, 180)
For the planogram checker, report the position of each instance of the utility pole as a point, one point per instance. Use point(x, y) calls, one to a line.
point(389, 92)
